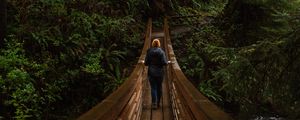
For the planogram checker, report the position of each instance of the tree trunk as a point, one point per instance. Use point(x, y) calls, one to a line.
point(3, 21)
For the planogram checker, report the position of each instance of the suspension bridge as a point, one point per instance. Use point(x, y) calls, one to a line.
point(180, 99)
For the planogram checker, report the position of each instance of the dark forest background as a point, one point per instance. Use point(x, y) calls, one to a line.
point(58, 58)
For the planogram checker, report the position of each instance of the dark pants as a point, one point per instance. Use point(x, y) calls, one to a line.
point(156, 88)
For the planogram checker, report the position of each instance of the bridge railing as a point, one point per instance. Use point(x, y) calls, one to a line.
point(187, 101)
point(126, 101)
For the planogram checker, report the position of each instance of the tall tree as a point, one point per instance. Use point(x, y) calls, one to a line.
point(3, 14)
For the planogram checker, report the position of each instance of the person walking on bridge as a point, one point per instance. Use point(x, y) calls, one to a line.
point(155, 60)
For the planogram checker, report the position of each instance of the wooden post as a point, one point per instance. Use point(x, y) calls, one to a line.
point(3, 21)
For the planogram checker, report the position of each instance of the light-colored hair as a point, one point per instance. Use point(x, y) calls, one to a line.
point(155, 43)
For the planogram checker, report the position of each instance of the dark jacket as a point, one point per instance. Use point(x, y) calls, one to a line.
point(155, 59)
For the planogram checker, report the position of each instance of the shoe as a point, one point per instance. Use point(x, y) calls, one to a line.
point(154, 106)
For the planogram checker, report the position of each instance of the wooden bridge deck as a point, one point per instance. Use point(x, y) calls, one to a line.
point(164, 112)
point(180, 99)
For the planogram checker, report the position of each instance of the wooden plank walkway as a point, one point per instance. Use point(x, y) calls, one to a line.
point(164, 112)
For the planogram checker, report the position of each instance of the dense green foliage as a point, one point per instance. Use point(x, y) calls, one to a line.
point(60, 57)
point(63, 57)
point(246, 58)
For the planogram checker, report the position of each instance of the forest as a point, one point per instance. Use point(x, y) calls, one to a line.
point(59, 58)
